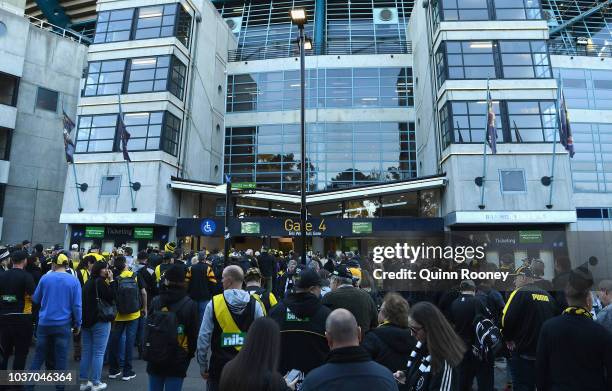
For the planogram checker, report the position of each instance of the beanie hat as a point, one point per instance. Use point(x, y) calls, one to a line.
point(170, 247)
point(176, 273)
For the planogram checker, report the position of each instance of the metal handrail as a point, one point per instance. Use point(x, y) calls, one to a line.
point(62, 32)
point(288, 50)
point(590, 50)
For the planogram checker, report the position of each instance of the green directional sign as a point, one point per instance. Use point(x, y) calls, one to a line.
point(243, 186)
point(143, 233)
point(362, 227)
point(94, 232)
point(530, 237)
point(249, 227)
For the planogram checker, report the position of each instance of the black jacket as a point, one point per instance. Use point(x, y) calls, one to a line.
point(358, 302)
point(301, 318)
point(463, 312)
point(90, 305)
point(574, 353)
point(390, 346)
point(188, 317)
point(351, 369)
point(200, 289)
point(266, 264)
point(526, 311)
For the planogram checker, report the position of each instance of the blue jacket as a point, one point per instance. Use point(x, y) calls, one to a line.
point(59, 296)
point(350, 369)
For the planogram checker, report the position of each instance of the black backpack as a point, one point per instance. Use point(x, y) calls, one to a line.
point(489, 340)
point(160, 335)
point(128, 295)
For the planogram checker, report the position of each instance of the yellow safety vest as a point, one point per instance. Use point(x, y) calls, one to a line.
point(231, 335)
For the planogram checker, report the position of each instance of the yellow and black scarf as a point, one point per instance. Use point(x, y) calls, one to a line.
point(578, 311)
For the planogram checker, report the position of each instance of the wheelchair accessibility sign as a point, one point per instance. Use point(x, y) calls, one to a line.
point(208, 227)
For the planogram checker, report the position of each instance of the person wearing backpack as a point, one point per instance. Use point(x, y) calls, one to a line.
point(227, 318)
point(131, 299)
point(202, 281)
point(253, 280)
point(171, 333)
point(160, 270)
point(463, 312)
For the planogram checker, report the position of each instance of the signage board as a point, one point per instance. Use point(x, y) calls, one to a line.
point(249, 227)
point(531, 237)
point(94, 232)
point(143, 233)
point(361, 227)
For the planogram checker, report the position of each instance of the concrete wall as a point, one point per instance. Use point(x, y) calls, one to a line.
point(37, 164)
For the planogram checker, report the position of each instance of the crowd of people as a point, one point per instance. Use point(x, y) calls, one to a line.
point(264, 320)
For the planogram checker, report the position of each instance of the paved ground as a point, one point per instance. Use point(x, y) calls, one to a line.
point(194, 382)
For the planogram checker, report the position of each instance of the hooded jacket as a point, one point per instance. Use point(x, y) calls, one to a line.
point(390, 346)
point(237, 301)
point(301, 318)
point(350, 368)
point(187, 317)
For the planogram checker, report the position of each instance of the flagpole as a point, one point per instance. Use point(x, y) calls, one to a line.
point(484, 159)
point(554, 154)
point(127, 162)
point(77, 187)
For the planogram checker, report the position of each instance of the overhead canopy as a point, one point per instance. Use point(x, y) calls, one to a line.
point(379, 189)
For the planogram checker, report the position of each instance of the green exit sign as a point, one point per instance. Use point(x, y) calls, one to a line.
point(94, 232)
point(362, 227)
point(249, 227)
point(530, 237)
point(243, 186)
point(143, 233)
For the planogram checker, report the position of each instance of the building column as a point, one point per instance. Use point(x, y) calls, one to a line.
point(319, 28)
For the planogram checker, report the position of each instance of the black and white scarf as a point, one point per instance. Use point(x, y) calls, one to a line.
point(418, 354)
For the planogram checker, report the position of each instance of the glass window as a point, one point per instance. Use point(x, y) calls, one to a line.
point(114, 26)
point(469, 120)
point(170, 134)
point(470, 60)
point(517, 9)
point(104, 78)
point(47, 99)
point(183, 26)
point(532, 121)
point(148, 74)
point(96, 133)
point(524, 59)
point(464, 9)
point(488, 10)
point(156, 21)
point(144, 129)
point(9, 85)
point(177, 78)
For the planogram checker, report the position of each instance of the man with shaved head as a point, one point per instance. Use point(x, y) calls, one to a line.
point(226, 320)
point(349, 366)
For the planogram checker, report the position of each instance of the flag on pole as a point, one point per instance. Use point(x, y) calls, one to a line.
point(565, 130)
point(69, 147)
point(460, 135)
point(491, 130)
point(124, 135)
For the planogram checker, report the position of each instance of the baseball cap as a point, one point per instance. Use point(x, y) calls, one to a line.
point(61, 259)
point(307, 278)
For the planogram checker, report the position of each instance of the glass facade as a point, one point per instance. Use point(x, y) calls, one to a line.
point(492, 59)
point(592, 163)
point(144, 74)
point(453, 10)
point(338, 154)
point(463, 122)
point(264, 29)
point(149, 131)
point(170, 20)
point(325, 88)
point(586, 88)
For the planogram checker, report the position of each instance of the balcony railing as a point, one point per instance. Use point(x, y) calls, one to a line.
point(291, 50)
point(590, 50)
point(62, 32)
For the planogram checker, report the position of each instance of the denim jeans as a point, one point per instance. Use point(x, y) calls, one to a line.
point(160, 383)
point(94, 345)
point(523, 372)
point(57, 336)
point(116, 345)
point(140, 333)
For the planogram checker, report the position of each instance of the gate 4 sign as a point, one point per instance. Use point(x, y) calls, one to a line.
point(294, 227)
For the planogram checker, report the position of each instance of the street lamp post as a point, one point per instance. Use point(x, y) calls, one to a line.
point(298, 16)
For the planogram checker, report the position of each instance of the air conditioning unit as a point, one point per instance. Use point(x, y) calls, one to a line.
point(386, 15)
point(234, 24)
